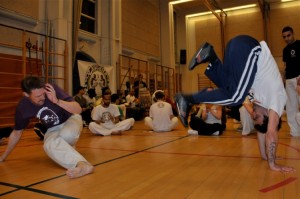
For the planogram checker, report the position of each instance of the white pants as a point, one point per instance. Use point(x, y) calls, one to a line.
point(173, 124)
point(59, 142)
point(101, 130)
point(292, 106)
point(246, 121)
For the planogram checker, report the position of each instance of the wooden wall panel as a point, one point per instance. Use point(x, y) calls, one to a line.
point(141, 26)
point(10, 80)
point(11, 75)
point(11, 95)
point(7, 109)
point(244, 22)
point(28, 8)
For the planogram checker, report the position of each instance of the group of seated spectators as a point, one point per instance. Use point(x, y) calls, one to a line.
point(112, 113)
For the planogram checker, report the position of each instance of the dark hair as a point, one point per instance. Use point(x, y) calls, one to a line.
point(287, 28)
point(263, 128)
point(114, 97)
point(92, 92)
point(80, 88)
point(30, 83)
point(159, 95)
point(104, 89)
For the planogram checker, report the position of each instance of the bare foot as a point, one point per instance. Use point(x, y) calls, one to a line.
point(82, 168)
point(116, 133)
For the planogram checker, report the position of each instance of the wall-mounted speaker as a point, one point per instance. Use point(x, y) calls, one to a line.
point(183, 56)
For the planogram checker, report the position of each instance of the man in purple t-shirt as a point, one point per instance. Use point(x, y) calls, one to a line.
point(61, 115)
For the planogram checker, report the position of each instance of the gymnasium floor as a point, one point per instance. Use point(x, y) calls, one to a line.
point(144, 164)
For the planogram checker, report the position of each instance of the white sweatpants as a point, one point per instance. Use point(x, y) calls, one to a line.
point(59, 142)
point(173, 124)
point(292, 106)
point(101, 130)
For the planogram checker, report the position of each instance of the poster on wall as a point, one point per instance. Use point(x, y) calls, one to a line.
point(94, 76)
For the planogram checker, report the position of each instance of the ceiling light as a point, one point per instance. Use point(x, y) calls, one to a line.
point(286, 0)
point(226, 9)
point(240, 7)
point(179, 1)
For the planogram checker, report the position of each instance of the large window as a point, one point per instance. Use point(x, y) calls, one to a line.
point(88, 16)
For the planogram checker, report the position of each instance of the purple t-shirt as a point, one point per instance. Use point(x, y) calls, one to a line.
point(49, 113)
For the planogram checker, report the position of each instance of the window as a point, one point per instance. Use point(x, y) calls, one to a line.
point(88, 16)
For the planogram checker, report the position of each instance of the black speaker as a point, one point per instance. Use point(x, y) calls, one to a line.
point(182, 56)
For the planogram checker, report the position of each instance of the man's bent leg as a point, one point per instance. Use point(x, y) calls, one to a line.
point(123, 125)
point(71, 129)
point(149, 122)
point(237, 73)
point(60, 151)
point(97, 129)
point(292, 106)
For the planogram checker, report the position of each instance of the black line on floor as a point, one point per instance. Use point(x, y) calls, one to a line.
point(18, 187)
point(139, 151)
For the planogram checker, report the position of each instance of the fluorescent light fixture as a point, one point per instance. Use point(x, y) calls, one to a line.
point(179, 1)
point(240, 7)
point(286, 0)
point(226, 10)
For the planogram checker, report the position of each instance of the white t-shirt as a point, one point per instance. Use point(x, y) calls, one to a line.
point(130, 98)
point(161, 112)
point(211, 119)
point(100, 112)
point(268, 90)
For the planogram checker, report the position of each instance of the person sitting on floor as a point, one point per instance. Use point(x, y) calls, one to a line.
point(61, 114)
point(161, 115)
point(208, 120)
point(91, 98)
point(167, 99)
point(133, 108)
point(85, 109)
point(106, 117)
point(115, 99)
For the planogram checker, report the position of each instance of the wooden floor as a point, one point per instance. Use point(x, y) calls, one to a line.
point(144, 164)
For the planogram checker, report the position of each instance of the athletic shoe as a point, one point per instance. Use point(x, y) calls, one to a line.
point(204, 54)
point(216, 133)
point(183, 109)
point(240, 128)
point(192, 132)
point(40, 130)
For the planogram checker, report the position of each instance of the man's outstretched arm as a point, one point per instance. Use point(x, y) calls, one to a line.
point(12, 142)
point(272, 143)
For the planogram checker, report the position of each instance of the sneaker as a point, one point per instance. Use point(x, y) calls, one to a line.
point(40, 130)
point(183, 109)
point(204, 54)
point(192, 132)
point(239, 129)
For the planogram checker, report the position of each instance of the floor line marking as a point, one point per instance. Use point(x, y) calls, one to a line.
point(18, 187)
point(278, 185)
